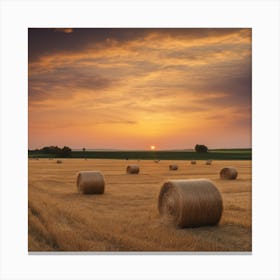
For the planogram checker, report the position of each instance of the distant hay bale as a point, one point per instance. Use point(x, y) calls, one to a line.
point(59, 161)
point(156, 161)
point(173, 167)
point(90, 182)
point(208, 162)
point(193, 162)
point(132, 169)
point(190, 203)
point(228, 173)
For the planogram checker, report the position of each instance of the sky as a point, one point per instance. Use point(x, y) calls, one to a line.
point(129, 88)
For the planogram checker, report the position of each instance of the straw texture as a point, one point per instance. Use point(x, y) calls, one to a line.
point(190, 203)
point(132, 169)
point(228, 173)
point(90, 182)
point(173, 167)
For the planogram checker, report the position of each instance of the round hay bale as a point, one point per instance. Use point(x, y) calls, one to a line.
point(90, 182)
point(190, 203)
point(228, 173)
point(132, 169)
point(59, 161)
point(208, 162)
point(173, 167)
point(193, 162)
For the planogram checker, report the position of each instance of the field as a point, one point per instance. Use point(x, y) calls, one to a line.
point(126, 217)
point(220, 154)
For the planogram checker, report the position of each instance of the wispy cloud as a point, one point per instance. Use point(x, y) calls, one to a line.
point(64, 30)
point(143, 85)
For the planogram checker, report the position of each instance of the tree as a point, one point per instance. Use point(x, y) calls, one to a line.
point(51, 150)
point(66, 151)
point(201, 148)
point(54, 150)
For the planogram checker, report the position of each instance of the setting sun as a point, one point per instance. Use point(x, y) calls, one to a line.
point(122, 88)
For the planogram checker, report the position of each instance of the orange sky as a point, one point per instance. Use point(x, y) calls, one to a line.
point(132, 88)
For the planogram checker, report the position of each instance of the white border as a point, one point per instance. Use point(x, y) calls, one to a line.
point(262, 16)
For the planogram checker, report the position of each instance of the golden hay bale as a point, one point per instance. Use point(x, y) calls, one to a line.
point(173, 167)
point(228, 173)
point(90, 182)
point(190, 203)
point(132, 169)
point(208, 162)
point(193, 162)
point(59, 161)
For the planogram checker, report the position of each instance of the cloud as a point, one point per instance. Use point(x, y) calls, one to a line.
point(44, 41)
point(64, 30)
point(132, 81)
point(64, 83)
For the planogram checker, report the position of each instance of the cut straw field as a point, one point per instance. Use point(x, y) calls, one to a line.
point(126, 217)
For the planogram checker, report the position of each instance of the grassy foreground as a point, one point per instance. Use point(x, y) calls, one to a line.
point(126, 218)
point(219, 154)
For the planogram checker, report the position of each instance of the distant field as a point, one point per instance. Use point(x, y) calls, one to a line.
point(126, 217)
point(223, 154)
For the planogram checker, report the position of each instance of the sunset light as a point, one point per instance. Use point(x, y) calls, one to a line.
point(154, 123)
point(122, 88)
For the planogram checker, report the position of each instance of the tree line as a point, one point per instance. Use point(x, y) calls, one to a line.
point(66, 151)
point(54, 150)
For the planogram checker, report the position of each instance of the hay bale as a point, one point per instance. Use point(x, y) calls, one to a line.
point(156, 161)
point(173, 167)
point(132, 169)
point(190, 203)
point(90, 182)
point(228, 173)
point(59, 161)
point(193, 162)
point(208, 162)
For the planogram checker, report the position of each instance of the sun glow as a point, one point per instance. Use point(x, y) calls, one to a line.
point(115, 90)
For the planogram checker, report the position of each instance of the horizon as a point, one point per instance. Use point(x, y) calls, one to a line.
point(132, 88)
point(147, 149)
